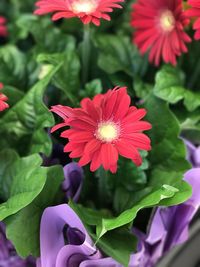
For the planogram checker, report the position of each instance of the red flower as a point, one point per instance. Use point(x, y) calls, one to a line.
point(159, 28)
point(3, 28)
point(195, 12)
point(104, 128)
point(3, 98)
point(87, 10)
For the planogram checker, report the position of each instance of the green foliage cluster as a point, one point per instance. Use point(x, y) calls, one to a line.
point(41, 65)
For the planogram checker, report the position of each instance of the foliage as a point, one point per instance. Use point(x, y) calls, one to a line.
point(41, 64)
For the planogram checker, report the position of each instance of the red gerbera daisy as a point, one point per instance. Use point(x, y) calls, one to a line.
point(159, 28)
point(3, 98)
point(87, 10)
point(195, 12)
point(3, 28)
point(104, 128)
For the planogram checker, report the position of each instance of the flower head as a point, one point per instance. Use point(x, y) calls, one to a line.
point(3, 99)
point(3, 27)
point(194, 11)
point(160, 29)
point(104, 128)
point(88, 11)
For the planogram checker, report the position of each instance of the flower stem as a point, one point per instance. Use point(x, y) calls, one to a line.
point(195, 75)
point(102, 194)
point(86, 53)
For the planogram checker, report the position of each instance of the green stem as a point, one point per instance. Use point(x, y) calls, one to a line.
point(103, 194)
point(194, 77)
point(86, 53)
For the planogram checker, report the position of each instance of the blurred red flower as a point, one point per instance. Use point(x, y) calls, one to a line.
point(159, 28)
point(104, 128)
point(194, 11)
point(3, 99)
point(87, 10)
point(3, 27)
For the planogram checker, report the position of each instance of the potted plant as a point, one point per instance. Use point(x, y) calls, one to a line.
point(99, 133)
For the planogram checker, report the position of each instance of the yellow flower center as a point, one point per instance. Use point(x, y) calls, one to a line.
point(85, 6)
point(107, 132)
point(167, 20)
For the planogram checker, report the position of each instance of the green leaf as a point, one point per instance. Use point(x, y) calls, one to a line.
point(23, 124)
point(168, 155)
point(67, 78)
point(25, 236)
point(169, 87)
point(21, 180)
point(189, 123)
point(151, 199)
point(92, 88)
point(105, 222)
point(118, 54)
point(184, 192)
point(12, 61)
point(44, 33)
point(142, 90)
point(89, 216)
point(120, 193)
point(118, 244)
